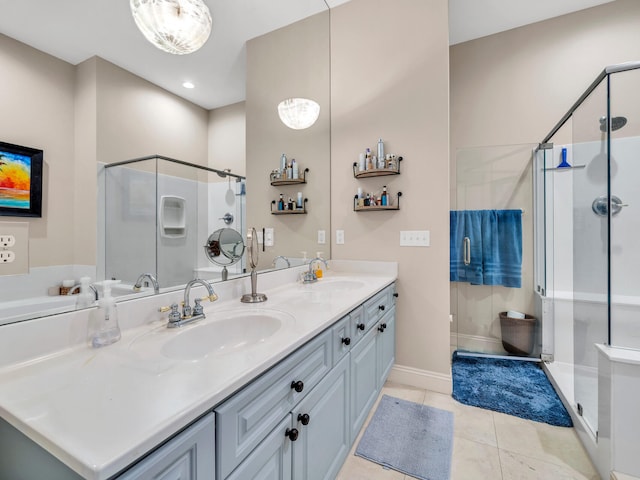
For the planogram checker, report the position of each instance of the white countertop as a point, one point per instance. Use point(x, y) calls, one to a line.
point(98, 410)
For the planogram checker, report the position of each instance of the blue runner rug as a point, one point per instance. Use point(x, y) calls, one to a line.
point(514, 387)
point(409, 437)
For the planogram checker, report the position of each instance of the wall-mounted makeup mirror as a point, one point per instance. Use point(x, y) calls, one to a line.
point(224, 247)
point(85, 112)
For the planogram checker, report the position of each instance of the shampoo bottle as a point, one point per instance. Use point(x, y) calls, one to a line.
point(294, 169)
point(384, 198)
point(85, 297)
point(283, 165)
point(380, 153)
point(107, 330)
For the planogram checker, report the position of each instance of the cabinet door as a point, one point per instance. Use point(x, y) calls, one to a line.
point(324, 442)
point(188, 456)
point(364, 380)
point(386, 346)
point(271, 460)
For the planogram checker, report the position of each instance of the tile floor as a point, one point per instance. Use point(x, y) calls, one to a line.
point(489, 446)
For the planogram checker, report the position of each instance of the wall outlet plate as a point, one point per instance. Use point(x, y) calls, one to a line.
point(339, 237)
point(322, 237)
point(14, 248)
point(7, 256)
point(268, 237)
point(7, 241)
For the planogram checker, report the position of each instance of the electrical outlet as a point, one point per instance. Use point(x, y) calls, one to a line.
point(7, 256)
point(322, 237)
point(339, 237)
point(7, 241)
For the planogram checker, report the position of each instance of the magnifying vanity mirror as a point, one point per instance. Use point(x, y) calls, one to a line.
point(224, 247)
point(85, 113)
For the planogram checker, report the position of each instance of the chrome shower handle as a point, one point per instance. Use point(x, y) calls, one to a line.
point(467, 250)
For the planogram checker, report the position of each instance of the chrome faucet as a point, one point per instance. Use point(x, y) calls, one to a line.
point(189, 314)
point(275, 260)
point(91, 287)
point(154, 281)
point(310, 276)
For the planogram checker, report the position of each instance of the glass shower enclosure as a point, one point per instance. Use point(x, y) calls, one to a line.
point(586, 175)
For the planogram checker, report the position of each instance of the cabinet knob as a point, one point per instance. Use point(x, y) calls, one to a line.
point(395, 294)
point(297, 386)
point(291, 434)
point(381, 307)
point(382, 327)
point(360, 326)
point(346, 341)
point(304, 418)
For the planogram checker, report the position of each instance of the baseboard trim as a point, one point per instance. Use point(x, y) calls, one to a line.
point(621, 476)
point(427, 380)
point(476, 343)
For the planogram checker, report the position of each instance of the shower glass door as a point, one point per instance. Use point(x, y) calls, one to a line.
point(590, 160)
point(494, 178)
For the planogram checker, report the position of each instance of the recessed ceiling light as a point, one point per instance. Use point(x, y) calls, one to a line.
point(188, 85)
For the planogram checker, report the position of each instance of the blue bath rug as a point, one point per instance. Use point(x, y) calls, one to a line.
point(513, 387)
point(409, 437)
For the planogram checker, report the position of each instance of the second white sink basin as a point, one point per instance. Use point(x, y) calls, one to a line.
point(222, 333)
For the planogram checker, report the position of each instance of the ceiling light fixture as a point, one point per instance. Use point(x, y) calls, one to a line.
point(175, 26)
point(298, 113)
point(188, 85)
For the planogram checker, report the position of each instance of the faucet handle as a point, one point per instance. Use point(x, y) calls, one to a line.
point(211, 298)
point(174, 315)
point(197, 308)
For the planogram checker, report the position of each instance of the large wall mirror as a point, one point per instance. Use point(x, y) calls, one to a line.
point(88, 109)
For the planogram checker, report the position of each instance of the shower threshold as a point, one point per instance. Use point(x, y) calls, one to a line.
point(503, 357)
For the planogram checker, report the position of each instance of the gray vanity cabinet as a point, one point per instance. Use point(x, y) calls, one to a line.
point(271, 460)
point(188, 456)
point(364, 380)
point(386, 345)
point(322, 420)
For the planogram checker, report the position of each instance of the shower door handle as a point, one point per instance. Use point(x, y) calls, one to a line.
point(467, 250)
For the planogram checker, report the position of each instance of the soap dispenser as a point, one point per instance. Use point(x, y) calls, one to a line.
point(86, 296)
point(105, 324)
point(318, 270)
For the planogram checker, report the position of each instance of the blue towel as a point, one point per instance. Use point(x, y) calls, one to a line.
point(496, 247)
point(465, 224)
point(502, 248)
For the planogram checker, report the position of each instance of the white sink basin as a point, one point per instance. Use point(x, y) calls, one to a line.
point(337, 285)
point(226, 332)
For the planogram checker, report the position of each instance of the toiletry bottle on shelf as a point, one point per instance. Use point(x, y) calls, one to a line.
point(299, 203)
point(384, 198)
point(290, 205)
point(289, 172)
point(283, 165)
point(367, 201)
point(318, 269)
point(367, 157)
point(106, 328)
point(281, 203)
point(380, 153)
point(362, 164)
point(294, 169)
point(86, 297)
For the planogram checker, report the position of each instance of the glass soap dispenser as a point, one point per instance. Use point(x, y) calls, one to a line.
point(105, 319)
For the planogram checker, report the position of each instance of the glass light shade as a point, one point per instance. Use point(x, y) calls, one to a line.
point(298, 113)
point(175, 26)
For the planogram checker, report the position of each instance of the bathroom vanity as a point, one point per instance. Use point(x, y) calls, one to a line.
point(277, 390)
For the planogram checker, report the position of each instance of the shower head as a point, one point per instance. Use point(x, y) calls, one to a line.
point(616, 123)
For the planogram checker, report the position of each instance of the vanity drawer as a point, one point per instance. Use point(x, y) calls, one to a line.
point(342, 338)
point(244, 420)
point(376, 306)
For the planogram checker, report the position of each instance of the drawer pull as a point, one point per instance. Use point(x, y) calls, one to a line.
point(382, 327)
point(381, 307)
point(360, 326)
point(291, 434)
point(395, 294)
point(297, 386)
point(304, 418)
point(346, 341)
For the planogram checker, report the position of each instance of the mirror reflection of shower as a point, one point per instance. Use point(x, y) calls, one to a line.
point(616, 123)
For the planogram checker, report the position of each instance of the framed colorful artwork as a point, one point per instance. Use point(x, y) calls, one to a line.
point(20, 181)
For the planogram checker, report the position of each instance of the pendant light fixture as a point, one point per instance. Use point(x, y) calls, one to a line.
point(298, 113)
point(175, 26)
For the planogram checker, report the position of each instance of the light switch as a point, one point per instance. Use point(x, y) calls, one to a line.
point(268, 237)
point(415, 238)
